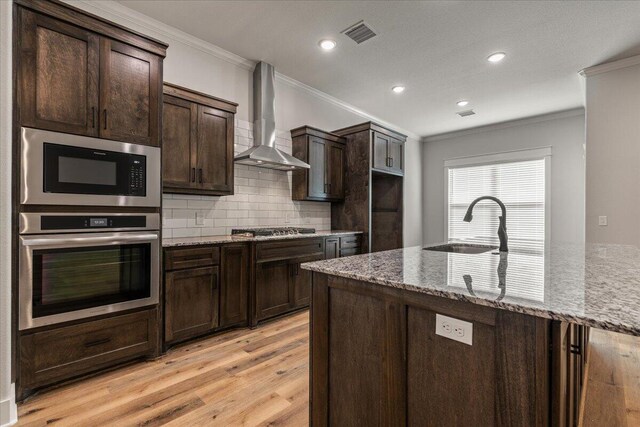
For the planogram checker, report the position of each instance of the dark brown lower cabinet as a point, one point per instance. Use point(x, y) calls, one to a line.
point(331, 247)
point(62, 353)
point(191, 303)
point(234, 286)
point(280, 284)
point(272, 289)
point(376, 360)
point(301, 280)
point(569, 343)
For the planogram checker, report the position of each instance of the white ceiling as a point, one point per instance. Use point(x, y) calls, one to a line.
point(436, 49)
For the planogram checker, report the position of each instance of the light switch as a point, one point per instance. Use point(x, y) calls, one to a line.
point(602, 220)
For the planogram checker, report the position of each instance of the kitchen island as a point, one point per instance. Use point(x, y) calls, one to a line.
point(381, 353)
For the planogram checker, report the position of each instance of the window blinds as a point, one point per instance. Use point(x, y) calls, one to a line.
point(521, 187)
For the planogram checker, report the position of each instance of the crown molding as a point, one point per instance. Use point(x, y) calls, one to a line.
point(116, 11)
point(344, 105)
point(508, 124)
point(611, 66)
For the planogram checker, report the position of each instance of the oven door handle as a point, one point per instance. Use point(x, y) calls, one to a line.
point(69, 241)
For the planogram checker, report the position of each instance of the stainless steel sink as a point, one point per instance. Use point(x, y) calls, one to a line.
point(462, 248)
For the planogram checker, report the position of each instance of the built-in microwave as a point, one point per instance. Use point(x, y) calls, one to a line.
point(63, 169)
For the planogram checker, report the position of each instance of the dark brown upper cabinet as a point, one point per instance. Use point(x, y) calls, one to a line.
point(388, 153)
point(325, 153)
point(197, 142)
point(79, 74)
point(129, 93)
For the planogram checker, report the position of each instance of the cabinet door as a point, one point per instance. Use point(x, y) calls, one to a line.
point(191, 303)
point(234, 286)
point(58, 75)
point(560, 380)
point(380, 151)
point(301, 280)
point(215, 150)
point(129, 93)
point(335, 170)
point(396, 155)
point(317, 173)
point(179, 125)
point(331, 247)
point(273, 296)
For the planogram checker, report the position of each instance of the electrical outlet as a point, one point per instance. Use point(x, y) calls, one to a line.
point(454, 329)
point(287, 217)
point(602, 220)
point(199, 218)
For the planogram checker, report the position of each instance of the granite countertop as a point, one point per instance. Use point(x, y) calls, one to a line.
point(215, 240)
point(593, 285)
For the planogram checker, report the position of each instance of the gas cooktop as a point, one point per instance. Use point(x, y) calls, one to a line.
point(272, 231)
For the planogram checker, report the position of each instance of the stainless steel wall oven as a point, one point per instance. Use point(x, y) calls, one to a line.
point(75, 265)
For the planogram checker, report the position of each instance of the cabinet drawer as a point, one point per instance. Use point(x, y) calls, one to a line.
point(195, 256)
point(349, 252)
point(291, 248)
point(348, 242)
point(66, 352)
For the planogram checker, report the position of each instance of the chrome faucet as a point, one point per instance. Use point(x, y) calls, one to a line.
point(502, 228)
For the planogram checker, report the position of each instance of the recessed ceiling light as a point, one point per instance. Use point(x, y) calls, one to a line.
point(398, 89)
point(462, 103)
point(327, 44)
point(496, 57)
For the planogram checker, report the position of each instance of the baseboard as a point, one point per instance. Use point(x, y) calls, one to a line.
point(9, 410)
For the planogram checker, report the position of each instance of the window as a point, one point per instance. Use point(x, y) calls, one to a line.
point(518, 179)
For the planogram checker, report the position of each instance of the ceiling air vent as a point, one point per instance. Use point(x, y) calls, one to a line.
point(466, 113)
point(359, 32)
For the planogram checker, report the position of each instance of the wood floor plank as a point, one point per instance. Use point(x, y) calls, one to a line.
point(612, 387)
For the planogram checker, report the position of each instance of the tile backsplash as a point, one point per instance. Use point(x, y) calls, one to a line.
point(262, 199)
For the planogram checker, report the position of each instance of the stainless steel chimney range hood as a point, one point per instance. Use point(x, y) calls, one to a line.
point(264, 152)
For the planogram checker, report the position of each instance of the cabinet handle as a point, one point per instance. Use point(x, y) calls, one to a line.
point(325, 188)
point(104, 113)
point(575, 349)
point(97, 342)
point(391, 162)
point(193, 174)
point(93, 117)
point(200, 173)
point(386, 163)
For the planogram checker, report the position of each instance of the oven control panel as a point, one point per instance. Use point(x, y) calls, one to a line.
point(79, 222)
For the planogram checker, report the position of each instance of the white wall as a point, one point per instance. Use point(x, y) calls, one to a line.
point(564, 132)
point(613, 152)
point(204, 67)
point(7, 400)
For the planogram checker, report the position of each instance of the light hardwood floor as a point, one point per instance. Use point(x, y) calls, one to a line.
point(612, 392)
point(260, 377)
point(245, 377)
